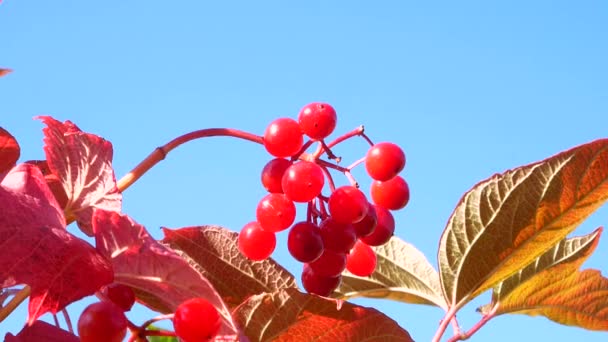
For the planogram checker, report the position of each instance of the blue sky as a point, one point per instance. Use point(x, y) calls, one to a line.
point(468, 89)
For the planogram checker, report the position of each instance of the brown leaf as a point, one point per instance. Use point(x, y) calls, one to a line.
point(289, 315)
point(215, 253)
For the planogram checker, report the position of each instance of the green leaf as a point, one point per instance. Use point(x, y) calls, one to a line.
point(507, 221)
point(162, 339)
point(402, 274)
point(214, 252)
point(562, 293)
point(289, 315)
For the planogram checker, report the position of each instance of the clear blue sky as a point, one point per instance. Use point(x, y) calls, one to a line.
point(468, 89)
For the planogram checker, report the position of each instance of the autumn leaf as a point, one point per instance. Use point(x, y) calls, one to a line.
point(9, 151)
point(4, 71)
point(507, 221)
point(289, 315)
point(83, 163)
point(214, 251)
point(37, 250)
point(161, 279)
point(52, 181)
point(402, 273)
point(41, 331)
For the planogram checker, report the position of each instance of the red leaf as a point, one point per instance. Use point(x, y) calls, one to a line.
point(4, 71)
point(52, 181)
point(83, 163)
point(9, 150)
point(41, 331)
point(38, 251)
point(161, 278)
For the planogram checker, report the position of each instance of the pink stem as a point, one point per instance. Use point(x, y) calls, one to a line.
point(476, 327)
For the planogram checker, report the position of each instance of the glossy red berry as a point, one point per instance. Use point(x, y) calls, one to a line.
point(256, 243)
point(347, 204)
point(303, 181)
point(317, 120)
point(337, 237)
point(283, 137)
point(120, 294)
point(275, 212)
point(329, 264)
point(272, 174)
point(317, 284)
point(393, 194)
point(196, 320)
point(367, 225)
point(304, 242)
point(361, 260)
point(102, 322)
point(385, 228)
point(384, 161)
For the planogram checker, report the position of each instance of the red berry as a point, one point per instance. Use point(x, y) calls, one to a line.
point(366, 226)
point(338, 237)
point(317, 284)
point(275, 212)
point(317, 120)
point(196, 320)
point(304, 242)
point(347, 204)
point(119, 294)
point(329, 264)
point(303, 181)
point(272, 174)
point(256, 243)
point(385, 228)
point(392, 194)
point(283, 137)
point(384, 161)
point(102, 322)
point(361, 260)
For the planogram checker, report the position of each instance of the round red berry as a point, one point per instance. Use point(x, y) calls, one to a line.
point(318, 284)
point(303, 181)
point(102, 322)
point(338, 237)
point(317, 120)
point(385, 228)
point(196, 320)
point(366, 226)
point(275, 212)
point(347, 204)
point(283, 137)
point(393, 194)
point(384, 161)
point(361, 260)
point(329, 264)
point(119, 294)
point(304, 242)
point(256, 243)
point(272, 174)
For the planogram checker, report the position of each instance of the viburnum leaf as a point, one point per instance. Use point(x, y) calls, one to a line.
point(4, 71)
point(402, 273)
point(37, 250)
point(289, 315)
point(562, 293)
point(83, 163)
point(9, 151)
point(41, 331)
point(161, 279)
point(215, 252)
point(52, 181)
point(507, 221)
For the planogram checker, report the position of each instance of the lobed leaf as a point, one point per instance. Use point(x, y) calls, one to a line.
point(214, 252)
point(507, 221)
point(562, 293)
point(402, 273)
point(37, 250)
point(41, 331)
point(83, 163)
point(9, 151)
point(160, 278)
point(289, 315)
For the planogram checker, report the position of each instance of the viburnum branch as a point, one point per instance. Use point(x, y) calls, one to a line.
point(161, 153)
point(19, 297)
point(465, 336)
point(450, 314)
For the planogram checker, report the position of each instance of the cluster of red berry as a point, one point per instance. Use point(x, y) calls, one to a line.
point(340, 228)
